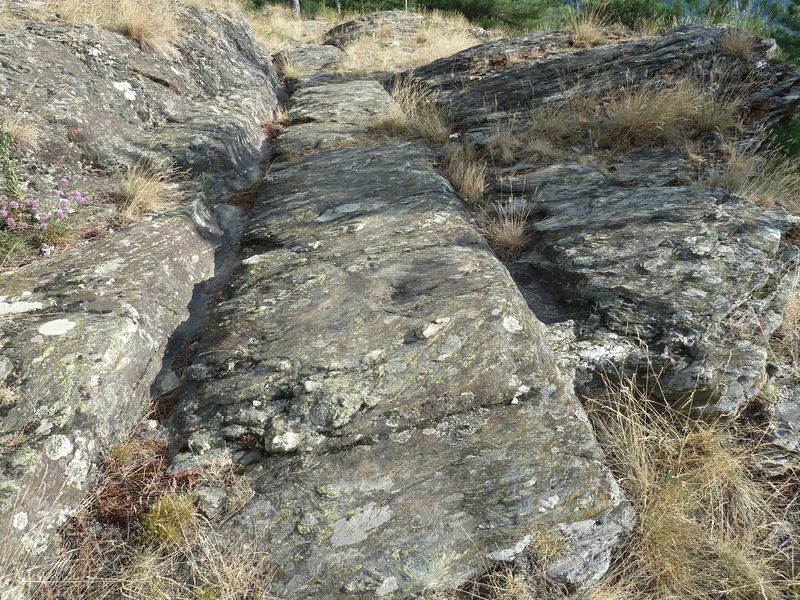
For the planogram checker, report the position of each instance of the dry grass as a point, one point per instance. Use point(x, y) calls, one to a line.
point(145, 191)
point(140, 535)
point(506, 228)
point(414, 115)
point(7, 395)
point(562, 124)
point(465, 172)
point(586, 27)
point(23, 127)
point(762, 176)
point(542, 150)
point(388, 51)
point(666, 113)
point(8, 21)
point(504, 145)
point(280, 29)
point(290, 70)
point(737, 43)
point(153, 24)
point(708, 528)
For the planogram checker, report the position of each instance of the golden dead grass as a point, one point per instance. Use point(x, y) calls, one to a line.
point(764, 176)
point(666, 113)
point(281, 29)
point(708, 527)
point(153, 24)
point(23, 127)
point(8, 20)
point(737, 43)
point(414, 115)
point(586, 27)
point(143, 190)
point(564, 123)
point(465, 171)
point(440, 35)
point(503, 144)
point(505, 227)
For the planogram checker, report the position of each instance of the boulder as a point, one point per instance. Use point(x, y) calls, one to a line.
point(82, 336)
point(350, 103)
point(396, 403)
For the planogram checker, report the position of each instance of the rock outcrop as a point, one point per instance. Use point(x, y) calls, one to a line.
point(82, 336)
point(105, 104)
point(396, 401)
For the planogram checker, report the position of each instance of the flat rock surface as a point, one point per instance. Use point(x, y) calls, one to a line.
point(82, 336)
point(401, 414)
point(351, 103)
point(310, 58)
point(673, 267)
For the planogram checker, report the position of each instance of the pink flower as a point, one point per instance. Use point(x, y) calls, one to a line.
point(65, 202)
point(43, 225)
point(63, 181)
point(59, 214)
point(34, 203)
point(3, 213)
point(13, 205)
point(11, 223)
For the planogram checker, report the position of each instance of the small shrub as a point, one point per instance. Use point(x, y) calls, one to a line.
point(144, 191)
point(168, 519)
point(737, 43)
point(506, 228)
point(465, 172)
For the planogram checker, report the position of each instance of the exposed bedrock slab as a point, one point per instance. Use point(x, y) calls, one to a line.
point(309, 57)
point(697, 275)
point(104, 102)
point(81, 339)
point(500, 87)
point(402, 416)
point(351, 103)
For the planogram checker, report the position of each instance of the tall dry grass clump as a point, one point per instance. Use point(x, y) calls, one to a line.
point(708, 527)
point(279, 29)
point(23, 127)
point(737, 43)
point(666, 113)
point(465, 171)
point(144, 190)
point(764, 176)
point(414, 115)
point(562, 124)
point(505, 227)
point(586, 26)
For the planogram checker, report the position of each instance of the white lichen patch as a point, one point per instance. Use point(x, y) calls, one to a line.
point(15, 308)
point(347, 532)
point(126, 89)
point(511, 324)
point(431, 329)
point(510, 554)
point(57, 447)
point(20, 521)
point(56, 327)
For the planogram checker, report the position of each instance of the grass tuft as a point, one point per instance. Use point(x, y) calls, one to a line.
point(506, 228)
point(465, 172)
point(737, 43)
point(586, 26)
point(708, 528)
point(169, 518)
point(765, 177)
point(414, 115)
point(23, 127)
point(144, 191)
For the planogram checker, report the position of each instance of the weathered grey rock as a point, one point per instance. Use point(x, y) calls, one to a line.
point(352, 103)
point(455, 73)
point(508, 91)
point(398, 22)
point(81, 340)
point(672, 268)
point(403, 419)
point(306, 137)
point(105, 103)
point(310, 58)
